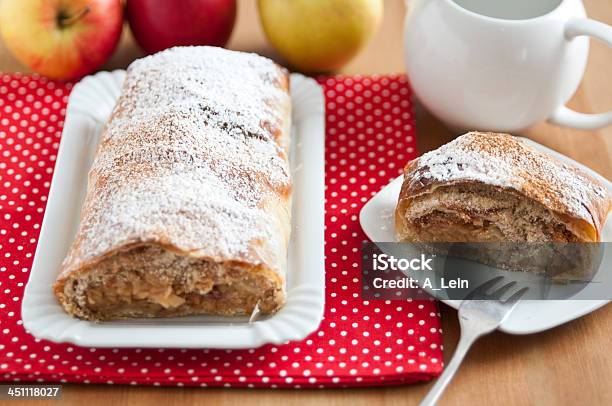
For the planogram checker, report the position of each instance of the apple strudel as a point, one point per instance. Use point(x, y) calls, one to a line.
point(188, 203)
point(489, 187)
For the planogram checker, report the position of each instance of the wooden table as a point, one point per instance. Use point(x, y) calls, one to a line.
point(571, 364)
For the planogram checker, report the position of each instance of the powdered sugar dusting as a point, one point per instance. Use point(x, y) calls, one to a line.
point(504, 161)
point(190, 156)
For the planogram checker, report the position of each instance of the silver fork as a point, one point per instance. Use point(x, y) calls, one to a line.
point(480, 313)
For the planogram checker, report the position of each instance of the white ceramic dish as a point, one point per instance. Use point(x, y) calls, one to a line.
point(530, 316)
point(89, 106)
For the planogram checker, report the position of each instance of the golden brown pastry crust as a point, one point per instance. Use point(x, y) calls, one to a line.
point(188, 202)
point(454, 183)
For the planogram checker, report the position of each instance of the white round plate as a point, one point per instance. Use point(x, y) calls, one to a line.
point(530, 316)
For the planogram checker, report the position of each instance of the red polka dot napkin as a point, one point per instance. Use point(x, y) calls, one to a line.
point(370, 137)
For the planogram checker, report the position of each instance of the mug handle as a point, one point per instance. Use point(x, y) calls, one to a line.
point(565, 116)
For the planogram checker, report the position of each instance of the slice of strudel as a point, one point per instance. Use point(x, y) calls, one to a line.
point(490, 187)
point(523, 209)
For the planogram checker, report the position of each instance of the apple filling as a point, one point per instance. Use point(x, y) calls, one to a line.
point(153, 282)
point(477, 214)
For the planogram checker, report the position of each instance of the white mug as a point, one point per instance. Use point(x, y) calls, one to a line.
point(501, 65)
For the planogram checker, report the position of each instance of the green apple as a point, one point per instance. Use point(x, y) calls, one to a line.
point(319, 35)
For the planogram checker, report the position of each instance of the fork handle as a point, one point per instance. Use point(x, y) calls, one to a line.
point(465, 342)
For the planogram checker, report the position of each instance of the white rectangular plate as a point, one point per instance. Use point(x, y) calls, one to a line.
point(89, 106)
point(530, 316)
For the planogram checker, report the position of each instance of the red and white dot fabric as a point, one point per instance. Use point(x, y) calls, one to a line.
point(370, 137)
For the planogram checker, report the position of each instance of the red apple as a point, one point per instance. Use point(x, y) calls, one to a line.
point(61, 39)
point(161, 24)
